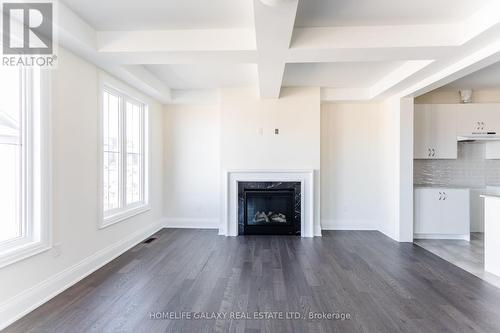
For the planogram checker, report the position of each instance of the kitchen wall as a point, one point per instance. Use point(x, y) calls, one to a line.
point(79, 246)
point(470, 169)
point(447, 95)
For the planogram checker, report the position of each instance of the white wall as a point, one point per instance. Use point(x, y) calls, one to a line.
point(398, 169)
point(247, 132)
point(79, 246)
point(354, 145)
point(297, 116)
point(192, 166)
point(351, 166)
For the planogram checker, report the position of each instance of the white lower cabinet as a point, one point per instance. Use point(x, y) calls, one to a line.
point(442, 213)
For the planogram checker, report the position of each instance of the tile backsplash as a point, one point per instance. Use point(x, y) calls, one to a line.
point(469, 170)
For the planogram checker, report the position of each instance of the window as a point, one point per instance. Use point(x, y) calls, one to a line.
point(124, 170)
point(24, 177)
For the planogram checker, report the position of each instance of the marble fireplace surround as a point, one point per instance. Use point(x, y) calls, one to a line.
point(229, 226)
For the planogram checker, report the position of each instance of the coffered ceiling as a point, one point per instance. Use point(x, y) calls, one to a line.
point(351, 49)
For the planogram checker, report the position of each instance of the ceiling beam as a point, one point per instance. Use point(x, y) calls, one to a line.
point(401, 73)
point(471, 63)
point(367, 37)
point(182, 57)
point(273, 31)
point(176, 40)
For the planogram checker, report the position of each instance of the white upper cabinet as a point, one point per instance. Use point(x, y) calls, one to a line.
point(435, 128)
point(478, 118)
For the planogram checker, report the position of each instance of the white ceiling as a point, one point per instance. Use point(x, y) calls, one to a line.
point(344, 75)
point(485, 78)
point(325, 13)
point(164, 14)
point(205, 76)
point(364, 50)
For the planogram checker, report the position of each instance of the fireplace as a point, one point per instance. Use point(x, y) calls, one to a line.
point(269, 208)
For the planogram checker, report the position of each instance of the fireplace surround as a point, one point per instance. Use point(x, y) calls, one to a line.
point(309, 218)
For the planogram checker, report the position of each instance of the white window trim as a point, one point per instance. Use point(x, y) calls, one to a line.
point(108, 83)
point(39, 194)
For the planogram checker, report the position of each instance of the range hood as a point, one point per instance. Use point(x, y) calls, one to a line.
point(479, 136)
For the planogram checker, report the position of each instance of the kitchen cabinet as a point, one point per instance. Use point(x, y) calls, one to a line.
point(478, 118)
point(435, 131)
point(442, 213)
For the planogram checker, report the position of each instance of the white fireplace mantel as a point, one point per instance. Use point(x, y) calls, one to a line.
point(229, 226)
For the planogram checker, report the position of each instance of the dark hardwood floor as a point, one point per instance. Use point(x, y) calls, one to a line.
point(382, 285)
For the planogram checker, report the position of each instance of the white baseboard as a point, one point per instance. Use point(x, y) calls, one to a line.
point(349, 225)
point(317, 230)
point(465, 237)
point(25, 302)
point(191, 223)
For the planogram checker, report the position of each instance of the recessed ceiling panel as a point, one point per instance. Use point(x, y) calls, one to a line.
point(337, 75)
point(486, 78)
point(322, 13)
point(205, 76)
point(164, 14)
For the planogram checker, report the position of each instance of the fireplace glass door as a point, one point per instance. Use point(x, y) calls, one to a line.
point(269, 211)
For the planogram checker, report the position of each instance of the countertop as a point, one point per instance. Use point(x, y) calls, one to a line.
point(445, 187)
point(486, 189)
point(492, 196)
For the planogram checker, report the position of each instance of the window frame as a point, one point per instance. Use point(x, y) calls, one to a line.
point(124, 212)
point(36, 169)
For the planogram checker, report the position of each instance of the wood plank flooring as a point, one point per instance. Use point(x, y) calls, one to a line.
point(382, 285)
point(466, 255)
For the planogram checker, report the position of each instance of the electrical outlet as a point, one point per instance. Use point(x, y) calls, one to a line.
point(276, 131)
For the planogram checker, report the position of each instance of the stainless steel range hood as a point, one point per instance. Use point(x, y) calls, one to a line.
point(479, 136)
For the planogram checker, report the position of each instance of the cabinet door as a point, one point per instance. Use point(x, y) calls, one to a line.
point(435, 131)
point(455, 213)
point(427, 211)
point(491, 115)
point(478, 118)
point(422, 131)
point(469, 119)
point(444, 131)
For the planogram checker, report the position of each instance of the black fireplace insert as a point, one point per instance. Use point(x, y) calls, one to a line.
point(269, 208)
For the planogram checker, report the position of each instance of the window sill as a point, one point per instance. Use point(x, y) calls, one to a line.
point(22, 252)
point(123, 215)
